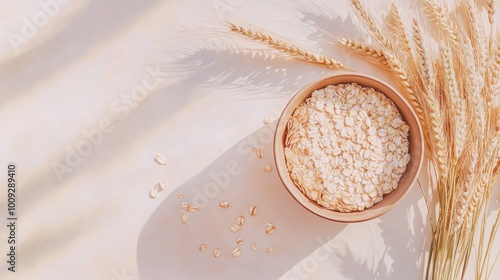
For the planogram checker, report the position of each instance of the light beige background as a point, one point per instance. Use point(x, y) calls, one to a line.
point(68, 69)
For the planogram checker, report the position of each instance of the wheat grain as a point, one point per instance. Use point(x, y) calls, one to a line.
point(287, 47)
point(364, 50)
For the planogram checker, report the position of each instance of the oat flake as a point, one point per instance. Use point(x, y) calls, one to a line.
point(160, 160)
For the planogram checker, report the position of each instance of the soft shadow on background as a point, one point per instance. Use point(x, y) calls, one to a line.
point(87, 28)
point(168, 249)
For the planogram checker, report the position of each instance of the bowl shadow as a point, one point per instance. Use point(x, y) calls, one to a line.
point(168, 249)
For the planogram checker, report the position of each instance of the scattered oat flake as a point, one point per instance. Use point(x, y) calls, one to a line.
point(252, 211)
point(254, 247)
point(270, 250)
point(236, 252)
point(192, 209)
point(184, 204)
point(270, 228)
point(216, 252)
point(224, 204)
point(161, 185)
point(239, 241)
point(240, 221)
point(235, 227)
point(159, 159)
point(184, 218)
point(181, 196)
point(203, 247)
point(258, 152)
point(268, 168)
point(267, 120)
point(153, 194)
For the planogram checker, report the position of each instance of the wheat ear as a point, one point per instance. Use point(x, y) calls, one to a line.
point(477, 194)
point(424, 64)
point(494, 147)
point(435, 13)
point(365, 50)
point(287, 47)
point(404, 80)
point(395, 64)
point(465, 194)
point(434, 123)
point(457, 104)
point(488, 157)
point(436, 129)
point(400, 30)
point(370, 24)
point(494, 89)
point(490, 5)
point(477, 36)
point(473, 89)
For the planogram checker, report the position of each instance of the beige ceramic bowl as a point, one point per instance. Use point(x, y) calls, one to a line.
point(416, 149)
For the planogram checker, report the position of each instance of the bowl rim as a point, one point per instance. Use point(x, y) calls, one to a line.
point(280, 162)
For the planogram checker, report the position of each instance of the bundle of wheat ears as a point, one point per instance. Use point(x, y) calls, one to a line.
point(447, 64)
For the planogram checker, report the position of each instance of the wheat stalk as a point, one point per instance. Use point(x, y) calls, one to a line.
point(365, 50)
point(286, 46)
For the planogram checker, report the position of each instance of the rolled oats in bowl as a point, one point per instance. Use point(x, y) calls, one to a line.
point(346, 146)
